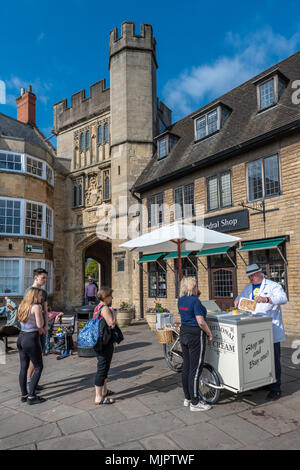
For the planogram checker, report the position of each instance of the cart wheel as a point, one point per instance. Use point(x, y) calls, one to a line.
point(174, 358)
point(209, 376)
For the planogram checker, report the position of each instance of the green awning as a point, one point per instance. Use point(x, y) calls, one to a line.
point(214, 251)
point(262, 244)
point(148, 258)
point(174, 254)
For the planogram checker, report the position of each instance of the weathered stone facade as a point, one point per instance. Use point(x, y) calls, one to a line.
point(104, 170)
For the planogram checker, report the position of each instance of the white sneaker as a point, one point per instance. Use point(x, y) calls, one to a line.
point(186, 402)
point(201, 406)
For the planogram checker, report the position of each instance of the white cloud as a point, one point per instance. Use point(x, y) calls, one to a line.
point(39, 88)
point(251, 55)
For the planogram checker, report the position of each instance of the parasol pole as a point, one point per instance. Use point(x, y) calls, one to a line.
point(178, 243)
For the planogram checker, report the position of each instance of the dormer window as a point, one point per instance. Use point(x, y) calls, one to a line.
point(210, 122)
point(165, 144)
point(266, 92)
point(270, 89)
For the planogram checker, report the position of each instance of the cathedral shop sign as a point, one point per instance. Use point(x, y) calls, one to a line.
point(230, 222)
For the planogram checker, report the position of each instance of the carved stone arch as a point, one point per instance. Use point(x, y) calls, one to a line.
point(81, 249)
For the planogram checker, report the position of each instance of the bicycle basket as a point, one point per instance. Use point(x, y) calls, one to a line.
point(164, 336)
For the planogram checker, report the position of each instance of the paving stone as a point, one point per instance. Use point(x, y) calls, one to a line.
point(27, 447)
point(188, 417)
point(136, 429)
point(30, 436)
point(274, 418)
point(59, 412)
point(240, 429)
point(17, 423)
point(107, 414)
point(132, 408)
point(163, 401)
point(79, 441)
point(129, 446)
point(6, 412)
point(81, 422)
point(159, 442)
point(288, 441)
point(203, 436)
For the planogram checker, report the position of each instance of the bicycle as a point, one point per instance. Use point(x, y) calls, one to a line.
point(209, 383)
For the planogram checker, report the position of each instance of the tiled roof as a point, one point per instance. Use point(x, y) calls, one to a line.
point(244, 125)
point(10, 127)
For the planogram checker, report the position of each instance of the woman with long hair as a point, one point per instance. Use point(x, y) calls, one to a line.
point(105, 355)
point(193, 332)
point(30, 316)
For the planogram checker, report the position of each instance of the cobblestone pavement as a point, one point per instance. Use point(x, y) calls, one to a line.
point(149, 411)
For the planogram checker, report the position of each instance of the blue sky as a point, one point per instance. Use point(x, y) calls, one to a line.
point(204, 49)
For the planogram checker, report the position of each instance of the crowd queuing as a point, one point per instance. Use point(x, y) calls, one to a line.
point(34, 320)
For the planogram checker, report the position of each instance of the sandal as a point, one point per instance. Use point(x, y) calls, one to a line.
point(109, 392)
point(106, 401)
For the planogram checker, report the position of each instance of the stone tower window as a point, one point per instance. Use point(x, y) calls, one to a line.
point(81, 144)
point(87, 139)
point(106, 185)
point(106, 131)
point(100, 135)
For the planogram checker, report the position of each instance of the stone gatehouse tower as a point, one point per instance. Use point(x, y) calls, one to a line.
point(104, 142)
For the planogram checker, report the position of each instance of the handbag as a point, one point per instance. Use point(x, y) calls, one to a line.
point(117, 334)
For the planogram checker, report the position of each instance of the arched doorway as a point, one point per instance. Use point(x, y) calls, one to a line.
point(100, 251)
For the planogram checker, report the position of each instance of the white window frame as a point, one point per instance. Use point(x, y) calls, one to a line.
point(21, 216)
point(4, 294)
point(23, 170)
point(44, 264)
point(22, 155)
point(23, 203)
point(47, 208)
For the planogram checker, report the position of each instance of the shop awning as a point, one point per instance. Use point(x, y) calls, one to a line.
point(215, 251)
point(174, 254)
point(262, 244)
point(149, 258)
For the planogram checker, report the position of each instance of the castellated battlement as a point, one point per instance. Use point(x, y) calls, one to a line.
point(129, 40)
point(81, 108)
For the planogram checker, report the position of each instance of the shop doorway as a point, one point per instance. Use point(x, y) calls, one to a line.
point(223, 280)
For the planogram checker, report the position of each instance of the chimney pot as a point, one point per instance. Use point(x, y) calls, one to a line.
point(26, 106)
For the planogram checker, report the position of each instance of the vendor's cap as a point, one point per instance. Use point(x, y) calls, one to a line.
point(252, 268)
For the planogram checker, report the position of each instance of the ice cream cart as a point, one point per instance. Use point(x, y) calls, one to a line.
point(240, 356)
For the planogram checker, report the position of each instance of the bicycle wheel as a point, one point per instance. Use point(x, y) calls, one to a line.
point(173, 354)
point(209, 376)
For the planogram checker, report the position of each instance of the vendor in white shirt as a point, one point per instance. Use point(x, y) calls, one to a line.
point(269, 296)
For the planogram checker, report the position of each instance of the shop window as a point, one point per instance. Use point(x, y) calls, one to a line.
point(157, 280)
point(272, 265)
point(9, 276)
point(188, 269)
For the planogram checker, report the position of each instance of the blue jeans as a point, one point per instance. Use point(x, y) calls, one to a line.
point(276, 385)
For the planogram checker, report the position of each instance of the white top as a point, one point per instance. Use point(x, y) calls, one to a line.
point(278, 296)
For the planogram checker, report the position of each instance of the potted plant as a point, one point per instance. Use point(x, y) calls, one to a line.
point(125, 314)
point(151, 314)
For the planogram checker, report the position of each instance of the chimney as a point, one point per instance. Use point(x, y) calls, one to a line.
point(26, 106)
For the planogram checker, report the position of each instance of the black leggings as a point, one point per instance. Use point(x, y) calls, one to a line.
point(193, 342)
point(29, 346)
point(104, 360)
